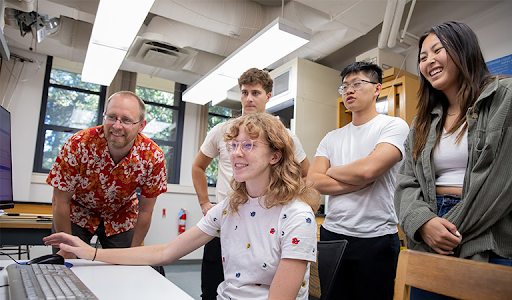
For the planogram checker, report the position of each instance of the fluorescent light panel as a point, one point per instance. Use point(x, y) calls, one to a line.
point(275, 41)
point(116, 25)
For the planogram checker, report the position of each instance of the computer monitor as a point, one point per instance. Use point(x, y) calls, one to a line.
point(6, 198)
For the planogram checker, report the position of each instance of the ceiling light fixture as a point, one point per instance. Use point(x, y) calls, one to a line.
point(275, 41)
point(116, 25)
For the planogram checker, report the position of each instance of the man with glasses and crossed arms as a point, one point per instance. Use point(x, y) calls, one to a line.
point(98, 172)
point(356, 166)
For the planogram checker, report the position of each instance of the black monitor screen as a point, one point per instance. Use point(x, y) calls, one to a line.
point(6, 199)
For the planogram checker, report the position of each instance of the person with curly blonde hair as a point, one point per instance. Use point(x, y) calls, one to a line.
point(255, 91)
point(267, 224)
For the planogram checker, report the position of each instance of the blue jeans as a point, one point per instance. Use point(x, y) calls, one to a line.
point(444, 204)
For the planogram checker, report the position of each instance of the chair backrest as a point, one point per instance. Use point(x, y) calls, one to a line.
point(451, 276)
point(329, 261)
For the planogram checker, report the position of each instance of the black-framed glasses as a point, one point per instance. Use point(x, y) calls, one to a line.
point(113, 119)
point(356, 85)
point(245, 146)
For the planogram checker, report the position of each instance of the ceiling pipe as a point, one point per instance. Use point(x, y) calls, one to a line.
point(386, 24)
point(404, 32)
point(397, 18)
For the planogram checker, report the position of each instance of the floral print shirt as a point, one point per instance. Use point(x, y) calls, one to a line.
point(103, 190)
point(254, 241)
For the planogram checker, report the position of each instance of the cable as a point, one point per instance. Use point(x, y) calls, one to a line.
point(15, 85)
point(39, 64)
point(3, 253)
point(9, 80)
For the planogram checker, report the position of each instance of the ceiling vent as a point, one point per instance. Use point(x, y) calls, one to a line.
point(160, 54)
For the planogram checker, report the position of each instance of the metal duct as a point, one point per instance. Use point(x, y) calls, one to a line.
point(397, 18)
point(386, 24)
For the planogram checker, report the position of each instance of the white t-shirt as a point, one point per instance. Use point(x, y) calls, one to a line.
point(214, 145)
point(254, 241)
point(451, 159)
point(368, 212)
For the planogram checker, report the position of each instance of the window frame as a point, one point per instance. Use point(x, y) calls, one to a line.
point(42, 127)
point(173, 176)
point(226, 118)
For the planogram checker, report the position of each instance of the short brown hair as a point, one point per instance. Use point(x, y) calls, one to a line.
point(255, 76)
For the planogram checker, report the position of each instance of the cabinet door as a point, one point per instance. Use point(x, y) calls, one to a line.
point(401, 96)
point(344, 115)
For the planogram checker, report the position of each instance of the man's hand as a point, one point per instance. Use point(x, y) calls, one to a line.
point(441, 235)
point(205, 207)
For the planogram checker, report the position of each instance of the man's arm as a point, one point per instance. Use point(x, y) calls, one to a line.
point(61, 210)
point(304, 167)
point(146, 206)
point(199, 179)
point(366, 170)
point(61, 215)
point(327, 185)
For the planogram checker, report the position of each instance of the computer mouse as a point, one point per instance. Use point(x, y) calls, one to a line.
point(47, 259)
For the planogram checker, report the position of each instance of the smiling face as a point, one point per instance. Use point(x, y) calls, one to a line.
point(254, 98)
point(437, 66)
point(360, 100)
point(120, 138)
point(253, 167)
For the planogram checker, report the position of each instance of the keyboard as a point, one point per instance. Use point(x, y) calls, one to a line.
point(45, 281)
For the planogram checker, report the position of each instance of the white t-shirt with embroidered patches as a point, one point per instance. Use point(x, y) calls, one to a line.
point(254, 240)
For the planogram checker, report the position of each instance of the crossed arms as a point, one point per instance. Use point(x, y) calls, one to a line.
point(351, 177)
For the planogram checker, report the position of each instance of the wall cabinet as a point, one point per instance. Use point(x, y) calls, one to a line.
point(398, 98)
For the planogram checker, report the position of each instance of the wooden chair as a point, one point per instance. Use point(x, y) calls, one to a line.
point(451, 276)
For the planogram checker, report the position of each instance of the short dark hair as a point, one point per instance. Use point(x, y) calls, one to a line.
point(255, 76)
point(370, 70)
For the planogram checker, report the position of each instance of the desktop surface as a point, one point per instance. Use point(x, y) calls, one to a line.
point(108, 281)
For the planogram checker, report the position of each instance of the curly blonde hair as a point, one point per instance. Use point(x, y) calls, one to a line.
point(286, 182)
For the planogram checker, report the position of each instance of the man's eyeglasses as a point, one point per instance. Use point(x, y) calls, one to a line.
point(125, 122)
point(356, 85)
point(245, 146)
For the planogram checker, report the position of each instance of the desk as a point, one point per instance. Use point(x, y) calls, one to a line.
point(108, 281)
point(27, 231)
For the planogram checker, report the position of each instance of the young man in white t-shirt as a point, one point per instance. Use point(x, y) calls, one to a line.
point(356, 166)
point(255, 91)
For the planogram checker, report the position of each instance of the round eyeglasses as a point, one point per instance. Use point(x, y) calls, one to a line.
point(245, 146)
point(125, 122)
point(356, 85)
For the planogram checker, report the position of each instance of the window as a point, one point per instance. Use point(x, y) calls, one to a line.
point(164, 115)
point(68, 106)
point(216, 115)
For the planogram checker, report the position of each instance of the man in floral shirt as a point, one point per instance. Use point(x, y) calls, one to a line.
point(97, 173)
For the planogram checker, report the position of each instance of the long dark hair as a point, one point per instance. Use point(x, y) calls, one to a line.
point(461, 44)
